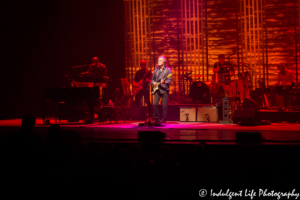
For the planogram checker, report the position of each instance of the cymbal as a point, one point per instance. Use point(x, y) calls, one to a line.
point(198, 76)
point(224, 66)
point(185, 70)
point(186, 78)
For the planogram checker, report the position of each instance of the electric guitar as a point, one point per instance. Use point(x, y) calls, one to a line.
point(155, 88)
point(138, 86)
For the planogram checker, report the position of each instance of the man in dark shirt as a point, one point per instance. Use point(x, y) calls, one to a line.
point(222, 73)
point(141, 82)
point(160, 74)
point(97, 68)
point(223, 70)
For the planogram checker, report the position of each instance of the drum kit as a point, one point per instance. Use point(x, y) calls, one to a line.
point(205, 92)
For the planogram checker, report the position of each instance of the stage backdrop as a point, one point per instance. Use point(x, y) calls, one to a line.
point(254, 35)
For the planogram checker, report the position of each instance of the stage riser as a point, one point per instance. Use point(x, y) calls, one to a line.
point(277, 117)
point(174, 114)
point(142, 112)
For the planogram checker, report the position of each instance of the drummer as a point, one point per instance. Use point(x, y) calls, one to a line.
point(221, 79)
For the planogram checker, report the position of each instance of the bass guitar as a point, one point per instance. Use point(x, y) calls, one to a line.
point(138, 86)
point(155, 88)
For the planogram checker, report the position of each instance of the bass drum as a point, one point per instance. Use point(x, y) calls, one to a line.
point(199, 92)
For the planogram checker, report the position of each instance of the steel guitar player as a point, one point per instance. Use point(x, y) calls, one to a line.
point(283, 86)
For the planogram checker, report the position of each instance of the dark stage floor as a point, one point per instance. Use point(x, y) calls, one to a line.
point(176, 132)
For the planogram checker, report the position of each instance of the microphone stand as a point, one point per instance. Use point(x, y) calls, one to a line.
point(149, 111)
point(148, 123)
point(244, 78)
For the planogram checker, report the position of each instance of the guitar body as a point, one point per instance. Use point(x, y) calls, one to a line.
point(155, 88)
point(138, 87)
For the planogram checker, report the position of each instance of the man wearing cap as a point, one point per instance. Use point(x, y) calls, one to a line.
point(141, 82)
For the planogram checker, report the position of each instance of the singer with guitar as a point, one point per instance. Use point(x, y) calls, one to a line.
point(141, 82)
point(162, 77)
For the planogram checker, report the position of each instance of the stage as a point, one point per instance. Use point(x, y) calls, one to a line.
point(85, 61)
point(175, 132)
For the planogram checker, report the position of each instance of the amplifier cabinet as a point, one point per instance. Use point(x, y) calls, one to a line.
point(207, 114)
point(188, 114)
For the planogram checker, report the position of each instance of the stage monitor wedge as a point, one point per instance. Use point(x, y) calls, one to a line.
point(248, 137)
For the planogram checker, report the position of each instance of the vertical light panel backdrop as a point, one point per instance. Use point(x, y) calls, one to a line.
point(192, 33)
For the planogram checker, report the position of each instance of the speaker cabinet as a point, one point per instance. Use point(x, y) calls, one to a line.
point(246, 117)
point(188, 114)
point(207, 114)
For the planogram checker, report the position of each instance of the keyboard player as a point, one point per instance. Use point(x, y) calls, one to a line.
point(96, 74)
point(96, 68)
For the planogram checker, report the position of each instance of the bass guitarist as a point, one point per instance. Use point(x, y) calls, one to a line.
point(162, 75)
point(141, 81)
